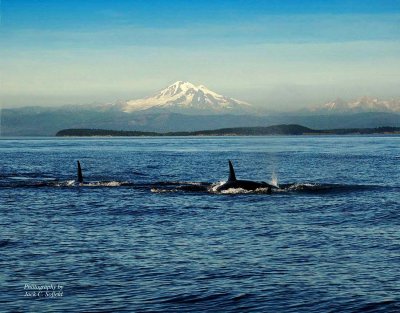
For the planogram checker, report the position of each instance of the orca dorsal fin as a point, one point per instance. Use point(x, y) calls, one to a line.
point(232, 176)
point(80, 177)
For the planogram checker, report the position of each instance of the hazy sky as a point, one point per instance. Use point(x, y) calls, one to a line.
point(275, 53)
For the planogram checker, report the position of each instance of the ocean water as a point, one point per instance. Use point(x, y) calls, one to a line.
point(146, 232)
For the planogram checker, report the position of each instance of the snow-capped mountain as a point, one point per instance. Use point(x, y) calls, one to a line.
point(363, 104)
point(184, 97)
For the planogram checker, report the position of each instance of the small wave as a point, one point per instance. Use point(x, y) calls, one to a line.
point(305, 186)
point(193, 183)
point(159, 190)
point(214, 189)
point(176, 186)
point(102, 184)
point(70, 183)
point(20, 178)
point(67, 183)
point(30, 178)
point(233, 191)
point(177, 183)
point(240, 296)
point(74, 183)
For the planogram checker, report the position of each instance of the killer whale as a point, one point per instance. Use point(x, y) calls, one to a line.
point(243, 184)
point(80, 176)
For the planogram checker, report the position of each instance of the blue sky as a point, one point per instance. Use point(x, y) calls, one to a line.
point(270, 53)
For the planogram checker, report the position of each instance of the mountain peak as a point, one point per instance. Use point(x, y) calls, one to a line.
point(185, 97)
point(176, 88)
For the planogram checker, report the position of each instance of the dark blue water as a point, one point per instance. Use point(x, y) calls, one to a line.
point(146, 232)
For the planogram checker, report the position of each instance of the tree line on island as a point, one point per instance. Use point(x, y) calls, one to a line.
point(236, 131)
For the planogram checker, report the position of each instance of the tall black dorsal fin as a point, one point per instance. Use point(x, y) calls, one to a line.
point(232, 176)
point(80, 177)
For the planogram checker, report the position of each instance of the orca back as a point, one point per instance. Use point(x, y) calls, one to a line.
point(232, 176)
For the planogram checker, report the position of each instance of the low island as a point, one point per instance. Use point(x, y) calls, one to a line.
point(239, 131)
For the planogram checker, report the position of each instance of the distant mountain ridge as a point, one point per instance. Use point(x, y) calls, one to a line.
point(362, 104)
point(185, 97)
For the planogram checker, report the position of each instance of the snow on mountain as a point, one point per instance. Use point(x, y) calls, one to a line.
point(184, 97)
point(363, 104)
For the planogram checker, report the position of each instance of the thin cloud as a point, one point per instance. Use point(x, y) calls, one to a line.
point(266, 29)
